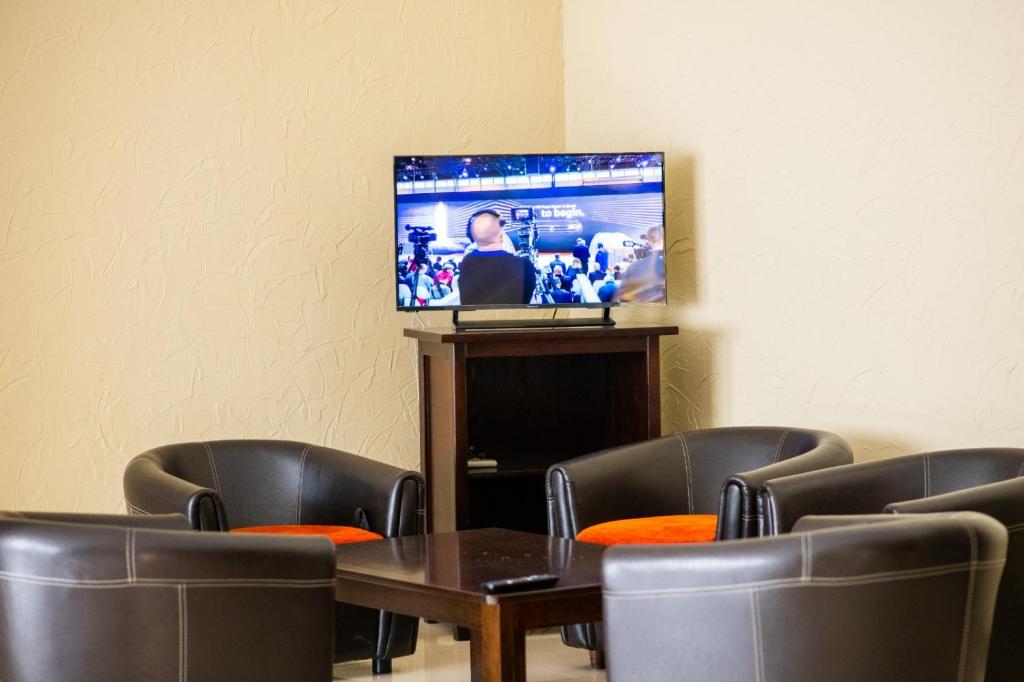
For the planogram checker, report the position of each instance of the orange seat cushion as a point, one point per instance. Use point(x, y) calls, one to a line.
point(339, 535)
point(653, 530)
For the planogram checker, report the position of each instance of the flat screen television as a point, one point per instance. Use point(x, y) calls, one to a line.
point(529, 231)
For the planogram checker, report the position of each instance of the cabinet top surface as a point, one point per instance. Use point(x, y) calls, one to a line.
point(449, 335)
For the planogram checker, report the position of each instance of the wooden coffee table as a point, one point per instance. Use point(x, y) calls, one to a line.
point(438, 577)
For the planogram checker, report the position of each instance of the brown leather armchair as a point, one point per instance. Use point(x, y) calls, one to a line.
point(906, 601)
point(987, 480)
point(96, 598)
point(221, 485)
point(698, 472)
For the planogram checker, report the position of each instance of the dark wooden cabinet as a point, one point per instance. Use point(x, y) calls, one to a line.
point(528, 398)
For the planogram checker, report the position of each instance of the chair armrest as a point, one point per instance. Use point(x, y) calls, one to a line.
point(741, 510)
point(149, 489)
point(336, 484)
point(152, 521)
point(642, 479)
point(843, 490)
point(1003, 501)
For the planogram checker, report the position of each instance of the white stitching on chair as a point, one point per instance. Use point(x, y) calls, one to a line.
point(927, 477)
point(213, 468)
point(755, 617)
point(133, 572)
point(810, 556)
point(778, 450)
point(803, 555)
point(182, 635)
point(136, 510)
point(128, 554)
point(689, 471)
point(302, 469)
point(969, 602)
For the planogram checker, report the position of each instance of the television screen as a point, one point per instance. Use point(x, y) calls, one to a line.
point(533, 230)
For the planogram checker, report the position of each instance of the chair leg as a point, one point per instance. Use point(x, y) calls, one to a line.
point(382, 666)
point(597, 659)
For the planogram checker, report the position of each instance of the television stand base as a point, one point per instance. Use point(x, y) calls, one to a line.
point(604, 321)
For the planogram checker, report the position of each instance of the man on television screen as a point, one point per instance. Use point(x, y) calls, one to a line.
point(644, 280)
point(489, 274)
point(581, 252)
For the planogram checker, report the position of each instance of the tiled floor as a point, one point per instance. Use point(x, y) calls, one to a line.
point(439, 658)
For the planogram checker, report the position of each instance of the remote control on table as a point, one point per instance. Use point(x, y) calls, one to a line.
point(528, 582)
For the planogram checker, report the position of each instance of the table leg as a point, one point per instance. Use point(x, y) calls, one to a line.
point(498, 648)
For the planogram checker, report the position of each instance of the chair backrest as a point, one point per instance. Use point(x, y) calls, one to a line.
point(951, 470)
point(683, 473)
point(256, 480)
point(251, 482)
point(114, 599)
point(738, 460)
point(893, 602)
point(868, 487)
point(713, 455)
point(648, 479)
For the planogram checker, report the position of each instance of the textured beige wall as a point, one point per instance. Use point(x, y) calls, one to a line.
point(845, 200)
point(195, 202)
point(195, 206)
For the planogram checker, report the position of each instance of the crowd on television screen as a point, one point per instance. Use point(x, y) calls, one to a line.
point(582, 276)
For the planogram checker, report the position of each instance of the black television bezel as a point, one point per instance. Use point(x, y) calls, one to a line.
point(518, 306)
